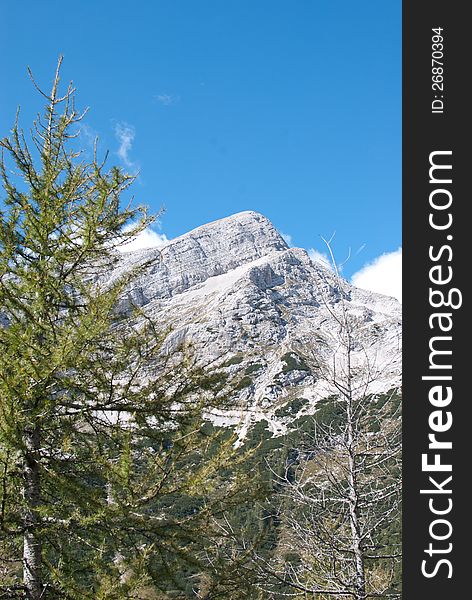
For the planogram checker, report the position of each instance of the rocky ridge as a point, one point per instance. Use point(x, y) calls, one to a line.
point(263, 313)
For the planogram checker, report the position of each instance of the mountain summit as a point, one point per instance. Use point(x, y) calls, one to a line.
point(234, 292)
point(207, 251)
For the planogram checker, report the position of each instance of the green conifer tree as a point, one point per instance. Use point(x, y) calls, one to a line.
point(110, 484)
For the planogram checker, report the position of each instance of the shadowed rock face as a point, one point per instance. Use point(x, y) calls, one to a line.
point(244, 300)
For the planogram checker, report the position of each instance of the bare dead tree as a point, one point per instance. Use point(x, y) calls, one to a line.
point(341, 528)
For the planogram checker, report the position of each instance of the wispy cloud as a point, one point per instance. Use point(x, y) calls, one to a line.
point(125, 135)
point(167, 99)
point(321, 258)
point(287, 237)
point(88, 134)
point(148, 238)
point(382, 275)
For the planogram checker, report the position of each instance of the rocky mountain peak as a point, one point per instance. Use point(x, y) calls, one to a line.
point(263, 313)
point(236, 232)
point(207, 251)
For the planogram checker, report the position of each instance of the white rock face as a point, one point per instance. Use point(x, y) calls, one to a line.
point(210, 250)
point(265, 313)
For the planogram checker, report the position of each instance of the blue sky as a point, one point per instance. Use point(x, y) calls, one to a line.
point(288, 107)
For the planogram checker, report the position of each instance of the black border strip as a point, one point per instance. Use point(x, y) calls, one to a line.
point(425, 132)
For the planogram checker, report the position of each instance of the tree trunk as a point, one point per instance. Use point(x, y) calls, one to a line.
point(353, 500)
point(353, 511)
point(358, 556)
point(32, 538)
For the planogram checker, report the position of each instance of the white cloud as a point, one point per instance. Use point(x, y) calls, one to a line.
point(167, 99)
point(148, 238)
point(320, 257)
point(287, 237)
point(125, 135)
point(382, 275)
point(88, 135)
